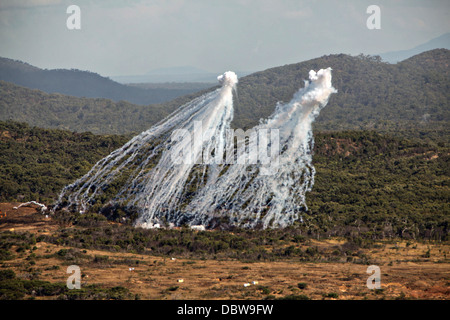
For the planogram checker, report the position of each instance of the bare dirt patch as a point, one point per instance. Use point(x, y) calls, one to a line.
point(25, 219)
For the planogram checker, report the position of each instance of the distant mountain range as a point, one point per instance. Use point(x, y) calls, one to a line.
point(372, 95)
point(441, 42)
point(83, 84)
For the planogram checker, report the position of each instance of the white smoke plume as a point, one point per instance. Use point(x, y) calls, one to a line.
point(143, 175)
point(247, 196)
point(129, 173)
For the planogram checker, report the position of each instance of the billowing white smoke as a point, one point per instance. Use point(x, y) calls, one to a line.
point(249, 196)
point(161, 190)
point(144, 174)
point(130, 174)
point(229, 78)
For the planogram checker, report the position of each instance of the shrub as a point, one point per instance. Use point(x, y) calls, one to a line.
point(94, 292)
point(45, 288)
point(302, 285)
point(69, 254)
point(174, 288)
point(294, 297)
point(264, 289)
point(312, 251)
point(5, 254)
point(11, 289)
point(100, 259)
point(299, 239)
point(331, 295)
point(7, 274)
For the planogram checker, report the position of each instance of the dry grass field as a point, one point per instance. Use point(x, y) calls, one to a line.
point(409, 270)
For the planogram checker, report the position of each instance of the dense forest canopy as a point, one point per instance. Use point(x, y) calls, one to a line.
point(382, 185)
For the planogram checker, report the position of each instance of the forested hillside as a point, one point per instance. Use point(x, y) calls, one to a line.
point(37, 163)
point(372, 95)
point(76, 114)
point(83, 84)
point(379, 185)
point(99, 116)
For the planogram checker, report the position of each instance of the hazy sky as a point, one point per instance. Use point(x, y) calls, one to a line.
point(133, 37)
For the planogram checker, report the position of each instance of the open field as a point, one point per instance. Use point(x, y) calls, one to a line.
point(409, 269)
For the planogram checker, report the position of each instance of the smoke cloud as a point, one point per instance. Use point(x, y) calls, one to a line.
point(246, 195)
point(145, 175)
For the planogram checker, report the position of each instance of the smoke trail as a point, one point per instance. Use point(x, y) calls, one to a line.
point(141, 174)
point(248, 197)
point(166, 175)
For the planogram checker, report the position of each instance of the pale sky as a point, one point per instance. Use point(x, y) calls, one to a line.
point(133, 37)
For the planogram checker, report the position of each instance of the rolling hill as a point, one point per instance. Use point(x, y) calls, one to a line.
point(76, 114)
point(371, 94)
point(82, 84)
point(412, 95)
